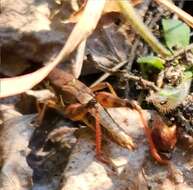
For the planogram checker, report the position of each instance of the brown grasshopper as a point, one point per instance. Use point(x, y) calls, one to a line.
point(80, 103)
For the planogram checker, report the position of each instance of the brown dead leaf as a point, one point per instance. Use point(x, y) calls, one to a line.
point(164, 136)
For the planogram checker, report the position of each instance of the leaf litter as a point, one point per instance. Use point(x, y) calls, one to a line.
point(60, 154)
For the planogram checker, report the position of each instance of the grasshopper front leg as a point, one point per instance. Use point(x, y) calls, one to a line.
point(80, 112)
point(41, 110)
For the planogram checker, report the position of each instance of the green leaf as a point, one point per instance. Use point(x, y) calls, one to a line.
point(176, 33)
point(188, 75)
point(152, 61)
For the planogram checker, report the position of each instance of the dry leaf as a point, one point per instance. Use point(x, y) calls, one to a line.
point(77, 65)
point(85, 26)
point(110, 6)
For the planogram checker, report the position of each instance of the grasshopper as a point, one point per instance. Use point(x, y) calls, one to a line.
point(80, 103)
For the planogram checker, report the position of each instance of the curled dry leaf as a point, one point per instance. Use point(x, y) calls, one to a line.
point(164, 137)
point(85, 26)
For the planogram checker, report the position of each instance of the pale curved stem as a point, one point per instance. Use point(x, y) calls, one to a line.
point(137, 23)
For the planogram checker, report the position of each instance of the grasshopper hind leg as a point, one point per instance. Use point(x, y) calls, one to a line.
point(108, 100)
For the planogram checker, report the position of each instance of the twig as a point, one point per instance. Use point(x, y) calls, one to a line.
point(132, 54)
point(179, 52)
point(106, 75)
point(130, 62)
point(145, 83)
point(150, 22)
point(119, 65)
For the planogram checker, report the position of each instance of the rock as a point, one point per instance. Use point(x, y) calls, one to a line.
point(84, 171)
point(14, 138)
point(26, 35)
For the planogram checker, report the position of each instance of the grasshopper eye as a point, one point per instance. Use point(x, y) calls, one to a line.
point(91, 103)
point(163, 102)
